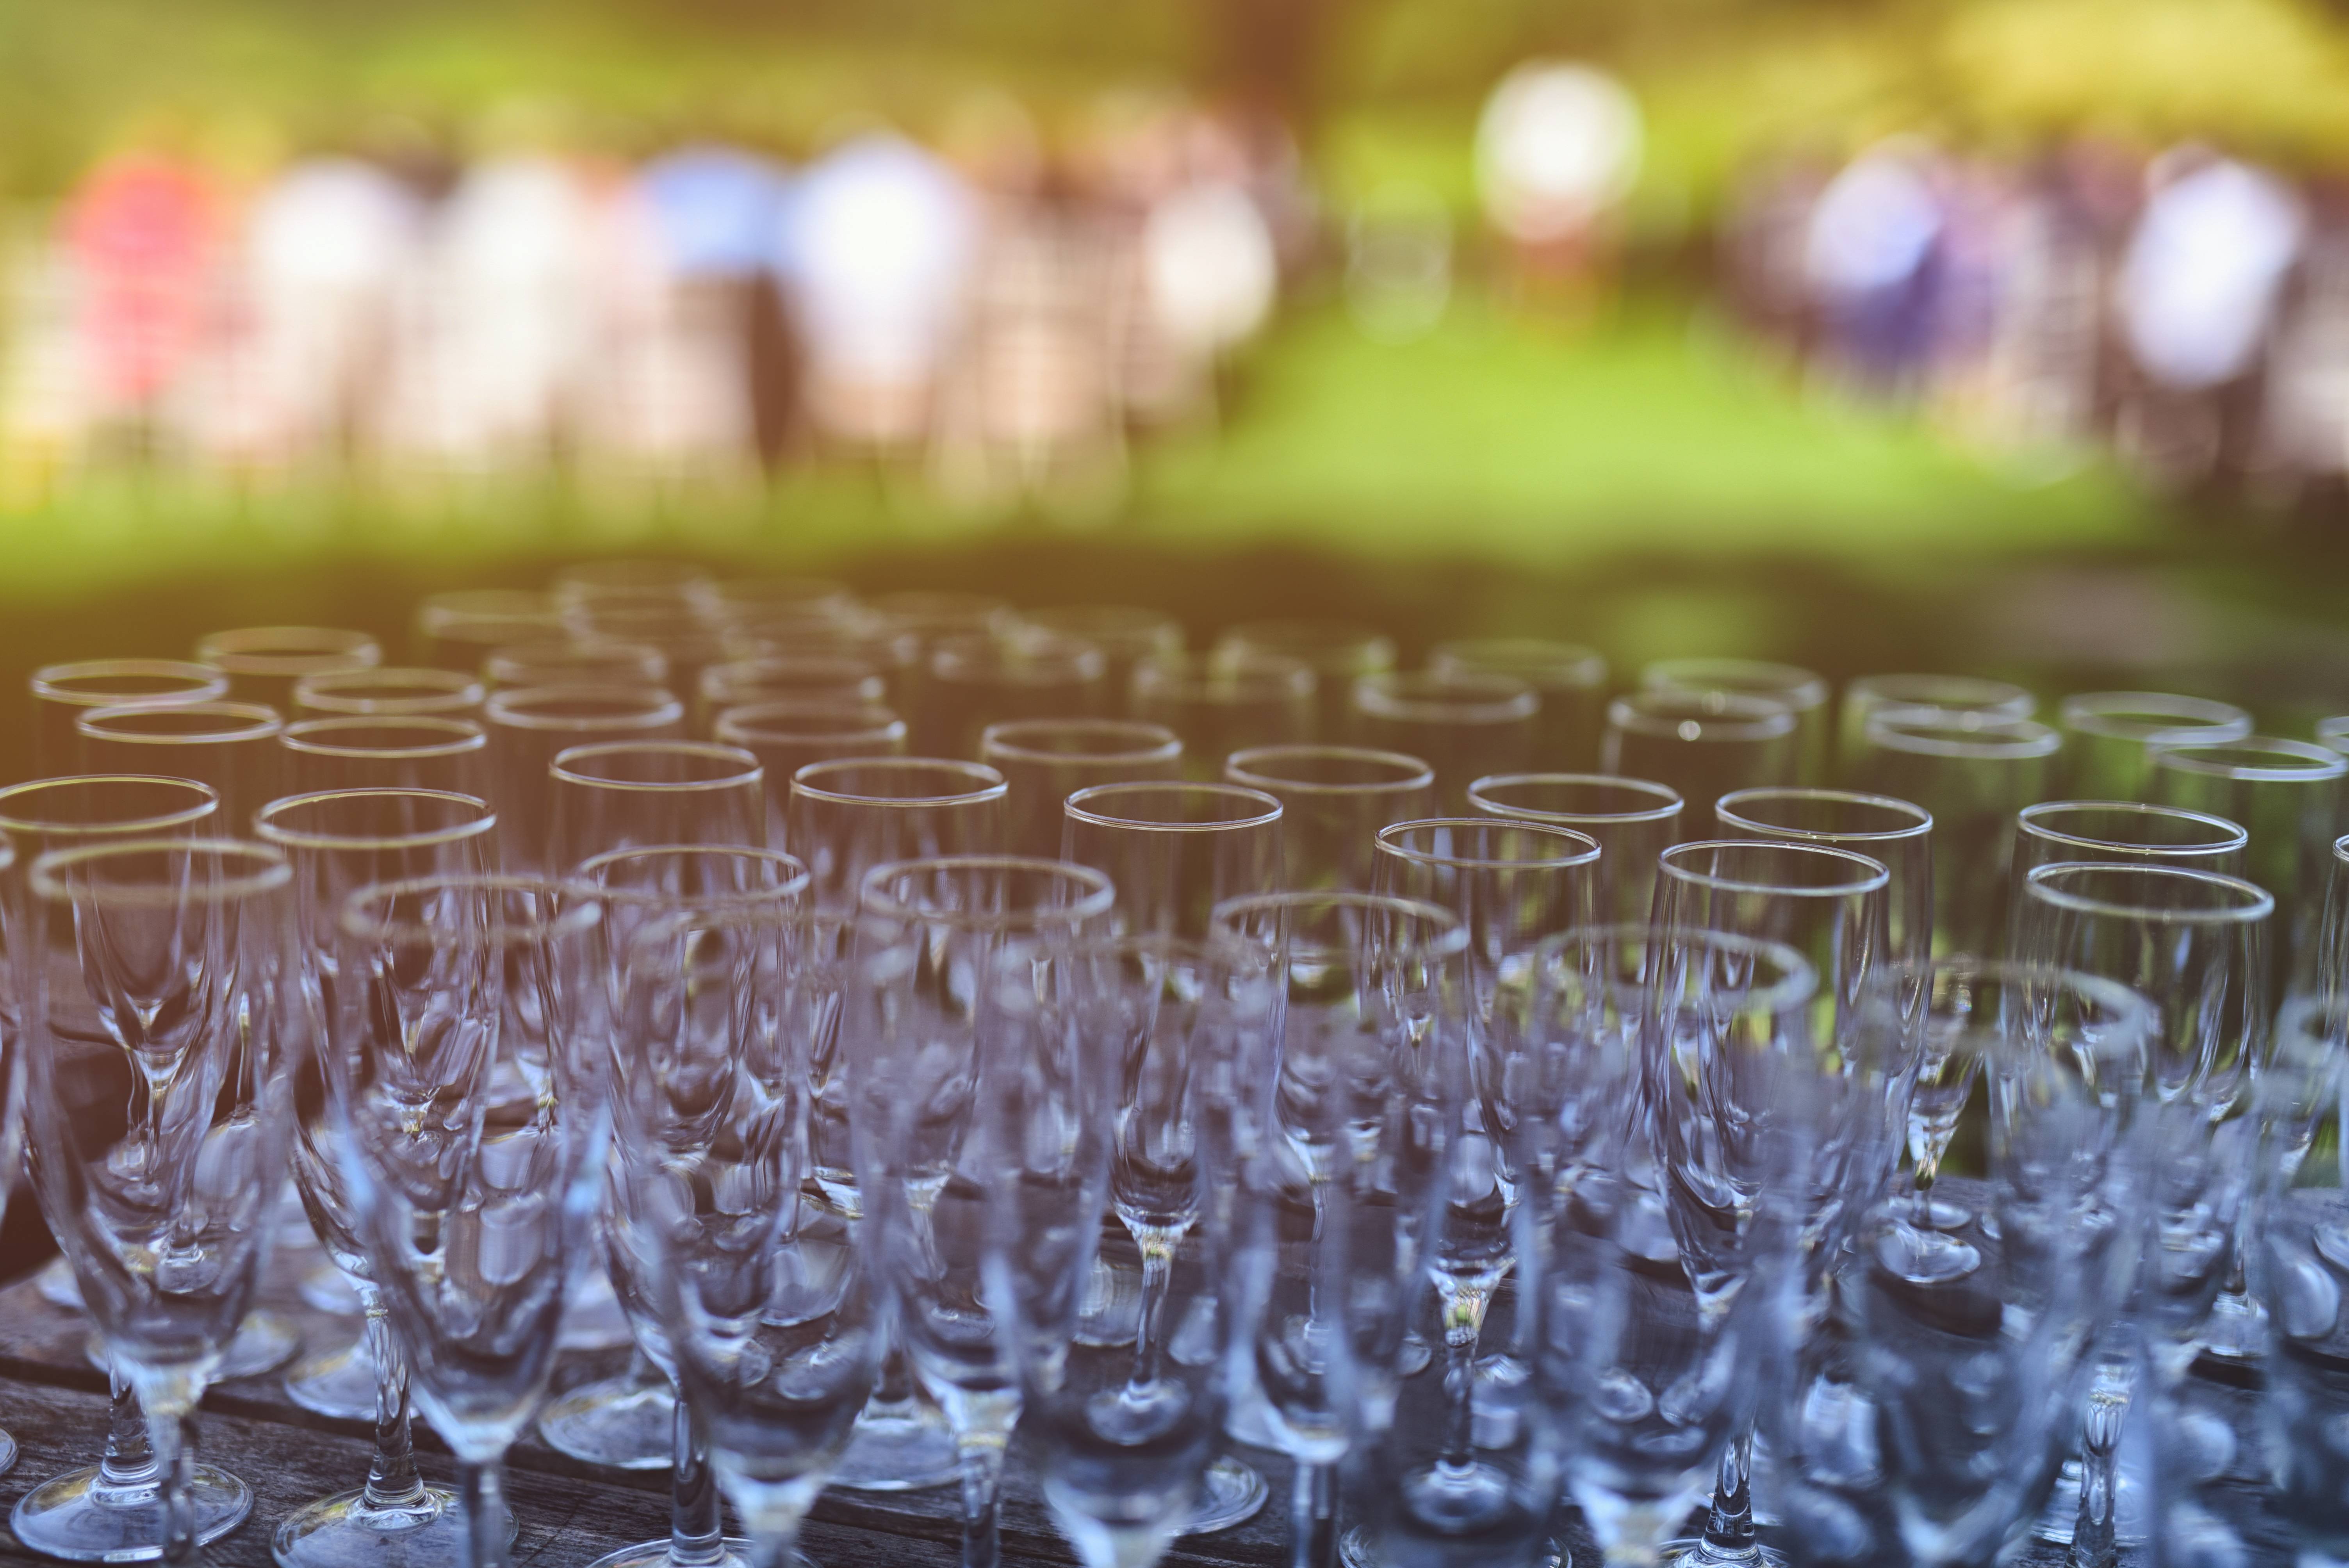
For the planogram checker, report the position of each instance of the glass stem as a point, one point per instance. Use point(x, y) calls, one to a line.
point(128, 1465)
point(1728, 1524)
point(174, 1441)
point(1463, 1325)
point(1313, 1517)
point(982, 1487)
point(392, 1481)
point(696, 1531)
point(1157, 1281)
point(480, 1490)
point(2094, 1539)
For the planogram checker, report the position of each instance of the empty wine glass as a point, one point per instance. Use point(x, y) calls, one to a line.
point(1225, 704)
point(2126, 831)
point(573, 663)
point(1126, 636)
point(1467, 725)
point(1371, 1001)
point(751, 900)
point(2108, 733)
point(1338, 653)
point(746, 600)
point(1924, 1425)
point(2289, 797)
point(530, 726)
point(339, 841)
point(1001, 933)
point(1971, 698)
point(844, 818)
point(1333, 800)
point(1631, 820)
point(1799, 691)
point(980, 679)
point(687, 639)
point(1045, 760)
point(231, 745)
point(1700, 745)
point(1973, 775)
point(623, 581)
point(468, 994)
point(153, 977)
point(263, 663)
point(427, 753)
point(796, 678)
point(1175, 851)
point(1654, 1231)
point(894, 650)
point(625, 794)
point(1570, 680)
point(63, 692)
point(388, 691)
point(768, 1304)
point(456, 630)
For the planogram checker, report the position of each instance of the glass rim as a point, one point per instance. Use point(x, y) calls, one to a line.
point(988, 781)
point(1672, 804)
point(1267, 807)
point(2315, 762)
point(1097, 895)
point(1718, 716)
point(1325, 637)
point(655, 705)
point(289, 650)
point(796, 883)
point(256, 722)
point(268, 830)
point(456, 690)
point(2255, 902)
point(1156, 742)
point(979, 610)
point(768, 590)
point(1572, 666)
point(1796, 687)
point(1419, 697)
point(2031, 820)
point(1728, 815)
point(723, 684)
point(572, 915)
point(275, 872)
point(1451, 933)
point(1089, 622)
point(1872, 685)
point(737, 724)
point(984, 657)
point(749, 770)
point(1988, 739)
point(2115, 715)
point(488, 604)
point(1241, 768)
point(1871, 874)
point(2123, 1001)
point(1586, 850)
point(210, 682)
point(1798, 984)
point(465, 735)
point(208, 801)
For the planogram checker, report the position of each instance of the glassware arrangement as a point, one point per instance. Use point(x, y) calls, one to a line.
point(969, 1038)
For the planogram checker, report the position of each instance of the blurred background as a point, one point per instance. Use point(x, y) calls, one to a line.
point(2008, 335)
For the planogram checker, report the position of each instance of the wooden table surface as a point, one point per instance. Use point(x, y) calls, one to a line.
point(52, 1401)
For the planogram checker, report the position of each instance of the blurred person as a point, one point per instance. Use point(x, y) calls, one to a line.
point(143, 233)
point(875, 245)
point(1763, 245)
point(1876, 251)
point(2304, 425)
point(497, 322)
point(2197, 298)
point(695, 373)
point(1559, 146)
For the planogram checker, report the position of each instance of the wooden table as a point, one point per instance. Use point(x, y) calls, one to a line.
point(568, 1514)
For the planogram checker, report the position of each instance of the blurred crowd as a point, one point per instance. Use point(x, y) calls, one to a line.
point(2189, 310)
point(1009, 315)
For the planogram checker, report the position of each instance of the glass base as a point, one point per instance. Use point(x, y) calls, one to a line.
point(2236, 1330)
point(655, 1554)
point(338, 1382)
point(1940, 1215)
point(1691, 1552)
point(328, 1289)
point(899, 1446)
point(8, 1452)
point(340, 1531)
point(58, 1286)
point(1924, 1257)
point(2061, 1513)
point(65, 1518)
point(1233, 1493)
point(265, 1342)
point(618, 1422)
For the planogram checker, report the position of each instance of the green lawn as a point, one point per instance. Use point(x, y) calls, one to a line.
point(1492, 441)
